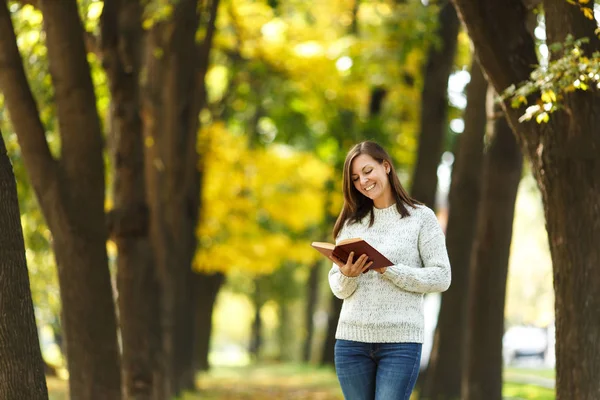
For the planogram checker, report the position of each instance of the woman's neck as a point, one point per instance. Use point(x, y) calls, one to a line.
point(384, 201)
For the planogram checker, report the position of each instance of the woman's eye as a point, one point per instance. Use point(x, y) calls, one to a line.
point(369, 171)
point(354, 179)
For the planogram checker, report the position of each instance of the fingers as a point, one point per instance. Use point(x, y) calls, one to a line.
point(351, 267)
point(350, 258)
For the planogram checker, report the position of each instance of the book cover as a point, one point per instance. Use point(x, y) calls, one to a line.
point(357, 245)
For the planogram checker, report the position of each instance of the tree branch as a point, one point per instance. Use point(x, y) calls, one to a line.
point(81, 135)
point(23, 109)
point(506, 52)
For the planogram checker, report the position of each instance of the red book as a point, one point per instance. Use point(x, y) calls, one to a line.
point(359, 246)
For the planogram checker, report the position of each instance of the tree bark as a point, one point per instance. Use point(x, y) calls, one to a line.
point(137, 284)
point(444, 372)
point(206, 290)
point(489, 268)
point(21, 364)
point(174, 94)
point(70, 192)
point(434, 107)
point(565, 159)
point(327, 358)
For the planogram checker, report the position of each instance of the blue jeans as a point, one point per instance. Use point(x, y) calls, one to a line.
point(377, 371)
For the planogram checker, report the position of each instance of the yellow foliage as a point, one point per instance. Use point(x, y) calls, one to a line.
point(257, 204)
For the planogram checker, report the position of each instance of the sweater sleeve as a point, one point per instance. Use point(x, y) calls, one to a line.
point(341, 285)
point(434, 276)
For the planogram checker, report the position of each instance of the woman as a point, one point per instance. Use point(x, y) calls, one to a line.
point(380, 330)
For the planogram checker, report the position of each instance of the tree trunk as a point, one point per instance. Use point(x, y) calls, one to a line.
point(327, 358)
point(313, 286)
point(205, 291)
point(21, 365)
point(174, 94)
point(434, 107)
point(312, 297)
point(565, 159)
point(256, 338)
point(489, 268)
point(70, 192)
point(444, 372)
point(285, 330)
point(137, 283)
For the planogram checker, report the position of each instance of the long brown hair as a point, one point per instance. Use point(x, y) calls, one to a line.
point(357, 205)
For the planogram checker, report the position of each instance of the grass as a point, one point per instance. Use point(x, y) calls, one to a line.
point(269, 381)
point(302, 382)
point(529, 392)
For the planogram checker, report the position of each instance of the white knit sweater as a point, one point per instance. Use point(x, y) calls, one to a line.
point(388, 308)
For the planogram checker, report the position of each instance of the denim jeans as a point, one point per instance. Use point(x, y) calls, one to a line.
point(377, 371)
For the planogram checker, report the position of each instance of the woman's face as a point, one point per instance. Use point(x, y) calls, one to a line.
point(370, 177)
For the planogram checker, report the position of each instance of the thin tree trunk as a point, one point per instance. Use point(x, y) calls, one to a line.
point(206, 290)
point(315, 273)
point(444, 372)
point(489, 268)
point(312, 297)
point(434, 107)
point(256, 338)
point(327, 358)
point(137, 284)
point(21, 364)
point(70, 192)
point(284, 330)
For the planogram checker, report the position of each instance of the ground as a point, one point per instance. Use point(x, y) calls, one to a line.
point(303, 382)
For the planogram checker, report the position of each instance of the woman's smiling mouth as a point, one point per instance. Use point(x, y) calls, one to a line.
point(370, 187)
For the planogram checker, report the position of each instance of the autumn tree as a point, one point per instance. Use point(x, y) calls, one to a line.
point(434, 105)
point(565, 159)
point(155, 118)
point(70, 190)
point(444, 371)
point(501, 174)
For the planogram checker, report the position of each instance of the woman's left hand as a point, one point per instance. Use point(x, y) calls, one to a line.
point(379, 270)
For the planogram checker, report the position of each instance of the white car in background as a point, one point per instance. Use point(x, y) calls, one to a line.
point(524, 342)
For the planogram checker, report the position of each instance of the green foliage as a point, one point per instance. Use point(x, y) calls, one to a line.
point(548, 86)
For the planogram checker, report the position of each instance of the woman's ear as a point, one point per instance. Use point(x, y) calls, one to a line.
point(387, 167)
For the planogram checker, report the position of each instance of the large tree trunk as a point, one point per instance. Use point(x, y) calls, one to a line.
point(174, 93)
point(489, 268)
point(565, 158)
point(206, 290)
point(70, 192)
point(138, 298)
point(434, 107)
point(21, 364)
point(444, 372)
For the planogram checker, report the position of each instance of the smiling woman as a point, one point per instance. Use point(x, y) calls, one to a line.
point(380, 330)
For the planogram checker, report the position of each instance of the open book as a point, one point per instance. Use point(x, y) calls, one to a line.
point(356, 245)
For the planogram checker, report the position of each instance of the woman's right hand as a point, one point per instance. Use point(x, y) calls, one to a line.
point(352, 268)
